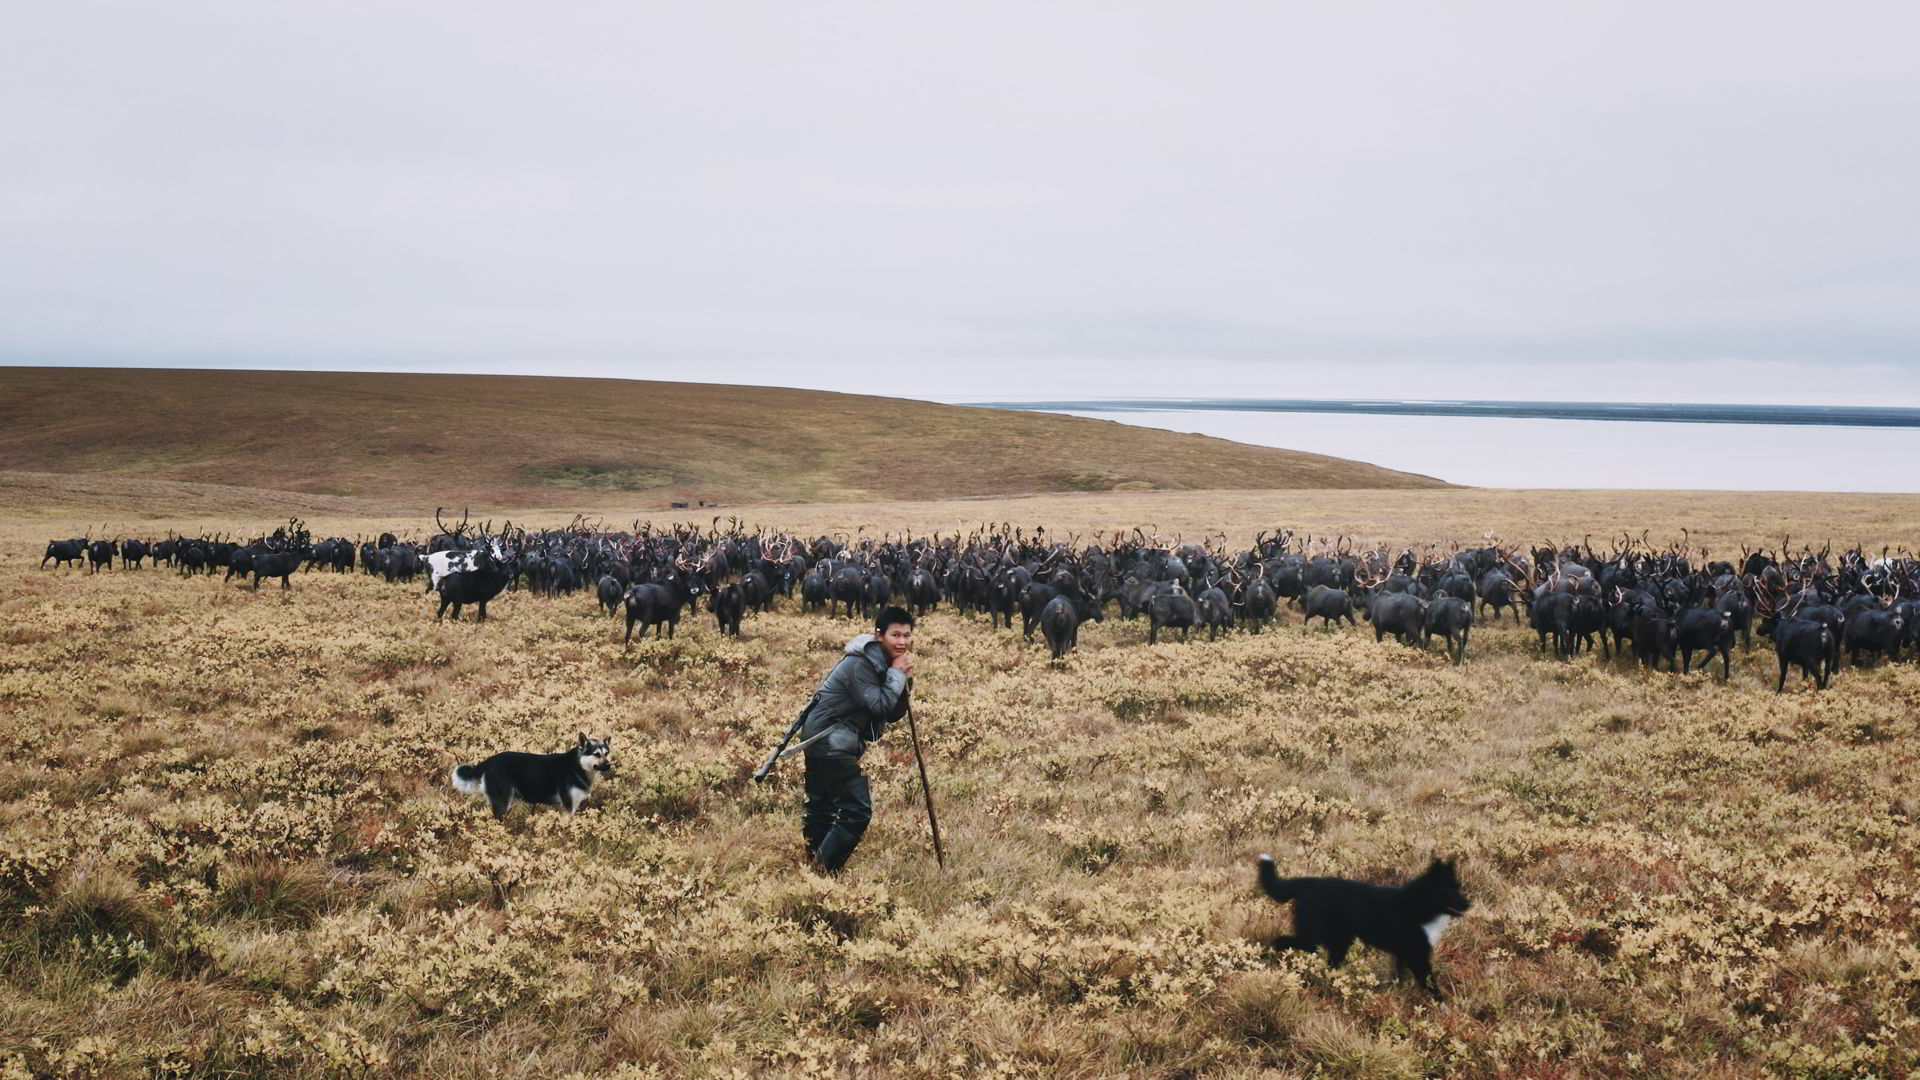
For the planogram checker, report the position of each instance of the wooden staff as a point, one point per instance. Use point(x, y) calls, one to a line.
point(939, 853)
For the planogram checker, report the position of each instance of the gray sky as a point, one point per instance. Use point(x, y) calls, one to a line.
point(1700, 201)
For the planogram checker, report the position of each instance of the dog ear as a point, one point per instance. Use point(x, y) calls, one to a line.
point(583, 739)
point(607, 742)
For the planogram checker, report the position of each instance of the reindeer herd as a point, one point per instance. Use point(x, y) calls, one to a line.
point(1661, 607)
point(278, 555)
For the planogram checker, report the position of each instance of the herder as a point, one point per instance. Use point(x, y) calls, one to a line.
point(867, 690)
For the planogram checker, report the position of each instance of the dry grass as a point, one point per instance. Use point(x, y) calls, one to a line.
point(231, 849)
point(526, 441)
point(1446, 519)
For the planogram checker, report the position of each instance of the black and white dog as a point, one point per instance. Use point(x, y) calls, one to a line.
point(1404, 920)
point(562, 779)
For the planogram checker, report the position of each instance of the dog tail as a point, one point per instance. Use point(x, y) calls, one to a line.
point(1281, 889)
point(469, 779)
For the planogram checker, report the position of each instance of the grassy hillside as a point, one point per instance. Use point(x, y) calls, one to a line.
point(525, 441)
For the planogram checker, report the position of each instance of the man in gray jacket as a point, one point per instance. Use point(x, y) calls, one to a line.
point(865, 691)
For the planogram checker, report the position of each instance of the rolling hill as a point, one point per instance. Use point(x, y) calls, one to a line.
point(541, 441)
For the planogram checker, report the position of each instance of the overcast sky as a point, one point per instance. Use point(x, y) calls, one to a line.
point(1696, 201)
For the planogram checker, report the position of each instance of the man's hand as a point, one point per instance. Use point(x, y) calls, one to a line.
point(903, 663)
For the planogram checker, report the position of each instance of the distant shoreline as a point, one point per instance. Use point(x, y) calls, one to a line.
point(1815, 415)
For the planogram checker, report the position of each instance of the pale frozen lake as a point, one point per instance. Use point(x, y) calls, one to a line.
point(1535, 453)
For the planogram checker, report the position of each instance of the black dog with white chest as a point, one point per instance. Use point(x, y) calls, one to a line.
point(564, 779)
point(1403, 920)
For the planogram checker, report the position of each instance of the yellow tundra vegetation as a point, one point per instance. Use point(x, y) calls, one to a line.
point(230, 848)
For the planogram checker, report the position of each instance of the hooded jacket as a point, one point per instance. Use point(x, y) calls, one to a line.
point(857, 700)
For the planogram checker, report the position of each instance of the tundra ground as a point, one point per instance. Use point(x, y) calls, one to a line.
point(231, 849)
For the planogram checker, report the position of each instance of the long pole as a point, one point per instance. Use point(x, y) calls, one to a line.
point(939, 853)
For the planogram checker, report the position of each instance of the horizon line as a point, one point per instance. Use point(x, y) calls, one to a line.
point(1881, 416)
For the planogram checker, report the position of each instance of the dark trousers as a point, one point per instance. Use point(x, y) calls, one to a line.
point(839, 805)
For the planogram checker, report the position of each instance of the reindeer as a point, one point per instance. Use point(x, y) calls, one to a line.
point(284, 553)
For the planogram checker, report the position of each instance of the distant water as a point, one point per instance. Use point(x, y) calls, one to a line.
point(1489, 447)
point(1665, 411)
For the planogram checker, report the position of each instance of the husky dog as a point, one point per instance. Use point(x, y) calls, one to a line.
point(562, 779)
point(1404, 920)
